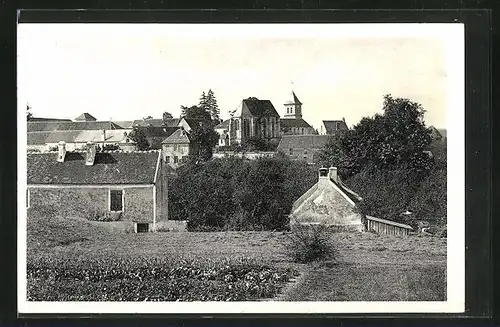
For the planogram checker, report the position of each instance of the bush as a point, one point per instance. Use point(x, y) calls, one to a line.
point(310, 243)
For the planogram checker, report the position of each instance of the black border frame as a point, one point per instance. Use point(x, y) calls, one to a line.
point(478, 132)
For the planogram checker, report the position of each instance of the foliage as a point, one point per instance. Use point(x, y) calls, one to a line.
point(204, 138)
point(209, 103)
point(138, 136)
point(310, 243)
point(152, 279)
point(385, 141)
point(167, 115)
point(258, 144)
point(196, 112)
point(237, 194)
point(29, 114)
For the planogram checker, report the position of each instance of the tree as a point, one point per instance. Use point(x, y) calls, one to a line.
point(138, 136)
point(212, 106)
point(384, 141)
point(29, 114)
point(196, 112)
point(204, 138)
point(183, 111)
point(203, 102)
point(167, 115)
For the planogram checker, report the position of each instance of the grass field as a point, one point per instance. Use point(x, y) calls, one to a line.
point(367, 267)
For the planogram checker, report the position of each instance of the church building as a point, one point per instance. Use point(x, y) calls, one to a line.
point(292, 123)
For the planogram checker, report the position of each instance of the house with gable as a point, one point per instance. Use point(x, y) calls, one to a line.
point(328, 202)
point(177, 147)
point(129, 187)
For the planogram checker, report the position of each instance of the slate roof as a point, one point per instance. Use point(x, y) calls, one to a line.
point(85, 117)
point(66, 136)
point(179, 136)
point(258, 107)
point(302, 142)
point(293, 99)
point(223, 125)
point(38, 126)
point(332, 126)
point(293, 122)
point(109, 168)
point(37, 138)
point(125, 124)
point(39, 119)
point(116, 135)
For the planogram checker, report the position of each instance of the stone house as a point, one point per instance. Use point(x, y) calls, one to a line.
point(130, 187)
point(223, 130)
point(328, 202)
point(292, 123)
point(302, 147)
point(176, 148)
point(254, 118)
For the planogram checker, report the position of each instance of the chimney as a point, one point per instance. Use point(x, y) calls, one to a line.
point(332, 174)
point(323, 173)
point(103, 136)
point(62, 151)
point(91, 150)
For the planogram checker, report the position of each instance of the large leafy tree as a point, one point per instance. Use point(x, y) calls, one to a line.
point(138, 135)
point(385, 141)
point(196, 112)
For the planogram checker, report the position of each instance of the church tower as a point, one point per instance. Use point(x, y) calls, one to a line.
point(293, 107)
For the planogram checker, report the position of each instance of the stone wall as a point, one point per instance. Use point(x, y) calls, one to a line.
point(83, 202)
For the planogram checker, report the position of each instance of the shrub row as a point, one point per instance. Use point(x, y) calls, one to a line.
point(152, 279)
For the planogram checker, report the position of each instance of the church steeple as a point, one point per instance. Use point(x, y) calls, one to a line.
point(293, 106)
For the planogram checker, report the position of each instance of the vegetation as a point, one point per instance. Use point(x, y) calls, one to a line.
point(209, 103)
point(389, 149)
point(138, 136)
point(167, 115)
point(310, 243)
point(236, 194)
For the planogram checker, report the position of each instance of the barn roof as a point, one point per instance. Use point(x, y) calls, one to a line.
point(302, 141)
point(109, 168)
point(292, 122)
point(85, 117)
point(332, 126)
point(179, 136)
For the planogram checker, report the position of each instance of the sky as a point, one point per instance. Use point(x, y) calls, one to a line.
point(130, 71)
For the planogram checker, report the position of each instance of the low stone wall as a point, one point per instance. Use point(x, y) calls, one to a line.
point(171, 226)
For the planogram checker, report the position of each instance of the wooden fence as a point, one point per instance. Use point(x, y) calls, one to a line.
point(387, 227)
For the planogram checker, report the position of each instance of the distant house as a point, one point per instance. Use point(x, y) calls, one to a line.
point(156, 135)
point(254, 118)
point(153, 122)
point(328, 202)
point(77, 139)
point(330, 127)
point(131, 187)
point(293, 123)
point(176, 148)
point(85, 117)
point(302, 147)
point(223, 130)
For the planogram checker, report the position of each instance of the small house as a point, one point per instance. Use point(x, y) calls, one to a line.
point(332, 127)
point(328, 202)
point(176, 148)
point(128, 187)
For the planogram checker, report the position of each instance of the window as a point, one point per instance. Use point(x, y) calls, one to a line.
point(176, 159)
point(291, 152)
point(115, 200)
point(167, 159)
point(176, 147)
point(141, 227)
point(236, 125)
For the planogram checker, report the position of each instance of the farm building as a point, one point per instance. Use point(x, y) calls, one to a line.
point(328, 202)
point(127, 187)
point(302, 147)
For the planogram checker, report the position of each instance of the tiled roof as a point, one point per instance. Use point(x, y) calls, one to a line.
point(114, 135)
point(179, 136)
point(108, 168)
point(37, 138)
point(223, 125)
point(302, 142)
point(293, 122)
point(260, 107)
point(149, 122)
point(38, 126)
point(293, 99)
point(332, 126)
point(48, 119)
point(85, 117)
point(66, 136)
point(125, 124)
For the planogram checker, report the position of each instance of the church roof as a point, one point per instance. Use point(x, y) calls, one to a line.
point(293, 99)
point(257, 108)
point(293, 122)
